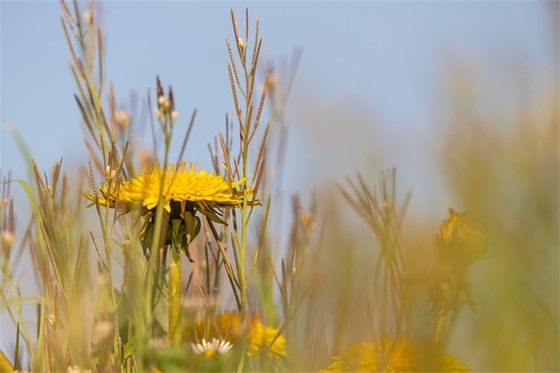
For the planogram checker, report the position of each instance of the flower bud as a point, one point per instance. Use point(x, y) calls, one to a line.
point(7, 239)
point(240, 43)
point(122, 118)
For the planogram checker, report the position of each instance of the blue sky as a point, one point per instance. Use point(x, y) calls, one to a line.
point(386, 57)
point(369, 83)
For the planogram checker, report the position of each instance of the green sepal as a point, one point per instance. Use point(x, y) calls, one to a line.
point(184, 232)
point(192, 225)
point(146, 238)
point(177, 234)
point(212, 216)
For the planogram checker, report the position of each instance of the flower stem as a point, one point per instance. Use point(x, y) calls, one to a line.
point(441, 322)
point(242, 250)
point(175, 297)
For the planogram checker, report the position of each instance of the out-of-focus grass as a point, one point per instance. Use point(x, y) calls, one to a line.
point(499, 155)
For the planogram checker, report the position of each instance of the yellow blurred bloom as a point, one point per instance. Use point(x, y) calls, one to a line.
point(460, 240)
point(249, 332)
point(400, 355)
point(180, 184)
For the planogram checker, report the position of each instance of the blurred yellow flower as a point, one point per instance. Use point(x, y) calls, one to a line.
point(400, 355)
point(249, 332)
point(460, 240)
point(180, 184)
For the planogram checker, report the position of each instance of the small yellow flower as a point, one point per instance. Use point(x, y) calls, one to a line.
point(250, 332)
point(400, 355)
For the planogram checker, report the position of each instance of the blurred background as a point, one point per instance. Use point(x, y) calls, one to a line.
point(460, 97)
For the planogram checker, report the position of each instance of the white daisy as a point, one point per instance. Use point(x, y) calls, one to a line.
point(209, 349)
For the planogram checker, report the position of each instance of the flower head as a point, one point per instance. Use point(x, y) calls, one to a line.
point(210, 349)
point(175, 183)
point(249, 332)
point(399, 355)
point(184, 191)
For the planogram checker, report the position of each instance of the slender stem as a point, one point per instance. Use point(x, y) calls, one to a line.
point(242, 249)
point(175, 297)
point(241, 365)
point(244, 213)
point(440, 325)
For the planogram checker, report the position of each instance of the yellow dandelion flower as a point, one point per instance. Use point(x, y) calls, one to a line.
point(180, 184)
point(250, 332)
point(184, 190)
point(400, 355)
point(278, 347)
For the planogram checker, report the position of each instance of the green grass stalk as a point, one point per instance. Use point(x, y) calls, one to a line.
point(175, 296)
